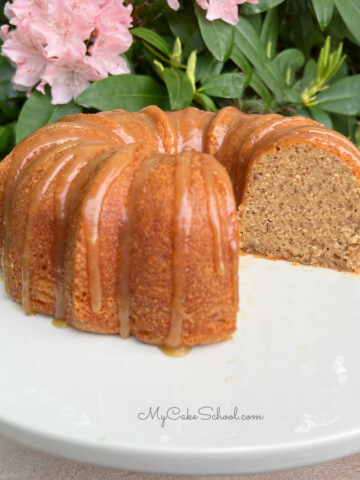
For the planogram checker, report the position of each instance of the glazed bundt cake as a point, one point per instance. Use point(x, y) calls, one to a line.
point(131, 223)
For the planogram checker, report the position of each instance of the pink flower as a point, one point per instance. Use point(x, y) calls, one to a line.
point(4, 32)
point(66, 43)
point(112, 38)
point(174, 4)
point(25, 50)
point(62, 28)
point(105, 56)
point(227, 10)
point(68, 76)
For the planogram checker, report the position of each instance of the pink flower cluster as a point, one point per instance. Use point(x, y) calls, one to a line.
point(66, 43)
point(227, 10)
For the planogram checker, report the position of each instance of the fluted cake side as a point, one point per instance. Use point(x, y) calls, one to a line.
point(131, 223)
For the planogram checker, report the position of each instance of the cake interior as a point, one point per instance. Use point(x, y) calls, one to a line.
point(301, 203)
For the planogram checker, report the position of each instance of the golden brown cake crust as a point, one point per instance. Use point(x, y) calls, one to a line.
point(126, 222)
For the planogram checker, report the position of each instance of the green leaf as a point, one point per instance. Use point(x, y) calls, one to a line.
point(179, 88)
point(357, 134)
point(302, 30)
point(207, 66)
point(217, 35)
point(6, 71)
point(320, 116)
point(324, 11)
point(7, 139)
point(345, 125)
point(255, 81)
point(338, 30)
point(9, 110)
point(127, 91)
point(350, 13)
point(289, 61)
point(181, 25)
point(290, 58)
point(342, 96)
point(38, 111)
point(228, 85)
point(205, 101)
point(269, 32)
point(261, 6)
point(153, 38)
point(256, 22)
point(194, 42)
point(241, 61)
point(249, 43)
point(3, 18)
point(310, 71)
point(341, 73)
point(258, 86)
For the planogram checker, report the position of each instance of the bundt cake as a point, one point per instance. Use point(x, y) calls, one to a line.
point(131, 223)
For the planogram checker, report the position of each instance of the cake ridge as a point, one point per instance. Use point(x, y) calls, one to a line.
point(9, 200)
point(182, 225)
point(164, 128)
point(64, 191)
point(138, 182)
point(36, 197)
point(215, 220)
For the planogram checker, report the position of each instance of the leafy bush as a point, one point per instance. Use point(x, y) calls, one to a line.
point(294, 57)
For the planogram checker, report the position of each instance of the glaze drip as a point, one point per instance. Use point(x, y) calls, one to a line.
point(164, 127)
point(138, 184)
point(60, 323)
point(175, 352)
point(214, 217)
point(91, 213)
point(36, 197)
point(84, 218)
point(81, 166)
point(229, 212)
point(34, 145)
point(9, 193)
point(182, 225)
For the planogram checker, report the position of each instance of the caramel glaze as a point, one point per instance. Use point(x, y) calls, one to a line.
point(31, 146)
point(60, 160)
point(67, 166)
point(228, 222)
point(8, 200)
point(214, 218)
point(224, 241)
point(68, 184)
point(91, 212)
point(60, 323)
point(191, 126)
point(182, 225)
point(175, 352)
point(68, 162)
point(134, 127)
point(138, 184)
point(219, 127)
point(98, 120)
point(164, 128)
point(34, 201)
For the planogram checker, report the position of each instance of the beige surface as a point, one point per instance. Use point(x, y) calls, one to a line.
point(21, 463)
